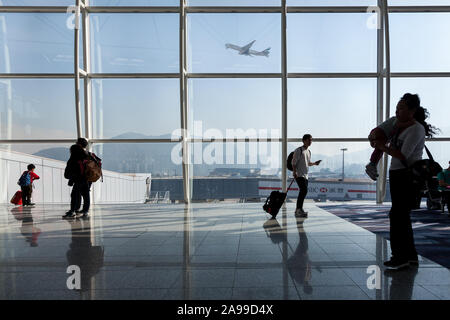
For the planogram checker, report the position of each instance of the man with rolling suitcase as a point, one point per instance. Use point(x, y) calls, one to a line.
point(301, 161)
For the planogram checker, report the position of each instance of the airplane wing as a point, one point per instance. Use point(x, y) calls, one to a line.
point(245, 49)
point(232, 46)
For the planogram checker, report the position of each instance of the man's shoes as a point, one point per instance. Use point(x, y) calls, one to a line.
point(299, 213)
point(395, 264)
point(372, 171)
point(414, 261)
point(69, 214)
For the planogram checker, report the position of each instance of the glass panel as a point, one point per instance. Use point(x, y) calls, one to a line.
point(356, 157)
point(235, 107)
point(36, 43)
point(331, 3)
point(332, 108)
point(417, 42)
point(440, 152)
point(151, 3)
point(135, 108)
point(234, 43)
point(331, 43)
point(38, 2)
point(59, 151)
point(419, 2)
point(248, 3)
point(433, 93)
point(233, 170)
point(37, 109)
point(135, 43)
point(154, 158)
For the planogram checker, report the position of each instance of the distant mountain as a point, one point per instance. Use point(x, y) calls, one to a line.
point(59, 153)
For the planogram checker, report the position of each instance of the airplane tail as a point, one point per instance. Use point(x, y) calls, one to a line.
point(266, 52)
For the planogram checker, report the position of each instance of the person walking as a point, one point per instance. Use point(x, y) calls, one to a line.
point(301, 161)
point(405, 149)
point(74, 172)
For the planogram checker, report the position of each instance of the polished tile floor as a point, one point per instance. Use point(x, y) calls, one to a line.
point(201, 251)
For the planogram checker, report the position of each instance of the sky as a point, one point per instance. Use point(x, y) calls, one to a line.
point(39, 43)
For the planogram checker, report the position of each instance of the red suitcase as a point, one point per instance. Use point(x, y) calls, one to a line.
point(17, 198)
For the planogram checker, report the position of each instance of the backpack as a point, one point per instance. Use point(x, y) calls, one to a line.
point(289, 161)
point(25, 179)
point(92, 168)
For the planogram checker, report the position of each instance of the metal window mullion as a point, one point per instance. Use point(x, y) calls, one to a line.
point(183, 103)
point(380, 90)
point(224, 140)
point(87, 69)
point(77, 71)
point(388, 94)
point(283, 95)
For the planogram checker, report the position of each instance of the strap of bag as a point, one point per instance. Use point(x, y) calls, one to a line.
point(430, 156)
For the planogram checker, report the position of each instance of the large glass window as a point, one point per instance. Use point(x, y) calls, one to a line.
point(38, 2)
point(135, 108)
point(153, 3)
point(433, 93)
point(327, 42)
point(235, 107)
point(36, 43)
point(234, 43)
point(419, 42)
point(440, 152)
point(331, 108)
point(154, 158)
point(419, 2)
point(356, 156)
point(37, 109)
point(331, 3)
point(135, 43)
point(232, 170)
point(248, 3)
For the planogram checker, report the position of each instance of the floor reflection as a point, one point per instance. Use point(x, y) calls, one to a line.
point(28, 228)
point(82, 253)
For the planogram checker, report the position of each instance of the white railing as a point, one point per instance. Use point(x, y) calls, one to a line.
point(52, 186)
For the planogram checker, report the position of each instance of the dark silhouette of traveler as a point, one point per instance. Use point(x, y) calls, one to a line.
point(26, 184)
point(299, 264)
point(444, 186)
point(402, 283)
point(81, 187)
point(405, 148)
point(82, 253)
point(301, 161)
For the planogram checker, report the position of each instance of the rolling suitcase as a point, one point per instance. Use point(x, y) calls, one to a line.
point(275, 201)
point(17, 198)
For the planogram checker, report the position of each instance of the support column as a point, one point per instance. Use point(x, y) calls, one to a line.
point(76, 67)
point(183, 106)
point(284, 94)
point(380, 89)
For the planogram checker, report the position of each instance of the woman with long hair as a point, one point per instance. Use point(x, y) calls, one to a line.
point(405, 148)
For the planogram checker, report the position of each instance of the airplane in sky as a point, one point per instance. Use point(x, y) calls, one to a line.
point(245, 50)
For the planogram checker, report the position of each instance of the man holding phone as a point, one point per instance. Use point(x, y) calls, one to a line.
point(301, 161)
